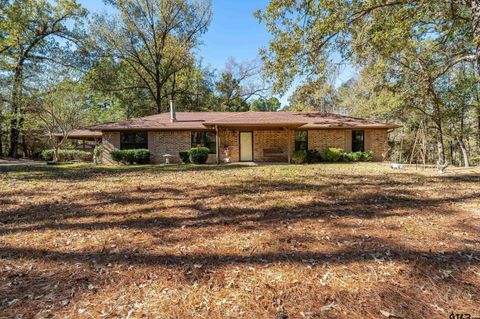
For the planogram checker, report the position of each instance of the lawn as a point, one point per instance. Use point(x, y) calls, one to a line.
point(316, 241)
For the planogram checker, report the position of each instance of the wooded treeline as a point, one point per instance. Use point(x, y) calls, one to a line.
point(418, 64)
point(57, 60)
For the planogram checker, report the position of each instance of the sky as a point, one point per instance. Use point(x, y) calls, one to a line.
point(234, 32)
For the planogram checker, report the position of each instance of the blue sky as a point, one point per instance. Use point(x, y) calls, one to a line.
point(234, 32)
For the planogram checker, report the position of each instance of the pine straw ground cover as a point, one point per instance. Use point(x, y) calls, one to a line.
point(317, 241)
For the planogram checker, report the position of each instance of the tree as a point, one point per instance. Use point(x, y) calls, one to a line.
point(155, 38)
point(29, 32)
point(271, 104)
point(238, 83)
point(314, 96)
point(60, 111)
point(113, 85)
point(195, 88)
point(418, 42)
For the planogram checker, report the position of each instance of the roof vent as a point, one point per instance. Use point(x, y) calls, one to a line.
point(173, 115)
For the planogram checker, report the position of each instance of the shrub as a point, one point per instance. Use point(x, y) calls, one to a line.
point(185, 157)
point(313, 156)
point(117, 155)
point(138, 156)
point(299, 157)
point(367, 156)
point(333, 154)
point(352, 156)
point(68, 155)
point(198, 155)
point(141, 156)
point(47, 155)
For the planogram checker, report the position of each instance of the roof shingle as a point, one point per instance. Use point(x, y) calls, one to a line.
point(204, 120)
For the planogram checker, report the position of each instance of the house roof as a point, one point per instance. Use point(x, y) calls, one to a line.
point(205, 120)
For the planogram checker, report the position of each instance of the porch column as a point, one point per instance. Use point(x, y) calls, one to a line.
point(217, 141)
point(289, 145)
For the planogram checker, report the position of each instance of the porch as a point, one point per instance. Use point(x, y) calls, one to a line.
point(255, 145)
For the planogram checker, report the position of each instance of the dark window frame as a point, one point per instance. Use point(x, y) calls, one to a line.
point(358, 145)
point(301, 145)
point(138, 140)
point(200, 138)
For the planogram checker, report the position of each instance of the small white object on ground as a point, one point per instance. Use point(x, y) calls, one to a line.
point(167, 158)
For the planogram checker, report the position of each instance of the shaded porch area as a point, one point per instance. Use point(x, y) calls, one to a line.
point(264, 144)
point(83, 139)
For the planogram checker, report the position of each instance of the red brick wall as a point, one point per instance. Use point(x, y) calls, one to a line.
point(172, 142)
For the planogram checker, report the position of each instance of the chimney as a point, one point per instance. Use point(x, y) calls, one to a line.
point(173, 114)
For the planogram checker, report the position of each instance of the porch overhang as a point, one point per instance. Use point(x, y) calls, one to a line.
point(82, 134)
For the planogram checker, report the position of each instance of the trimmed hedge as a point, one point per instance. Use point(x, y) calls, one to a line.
point(138, 156)
point(334, 154)
point(68, 155)
point(352, 157)
point(339, 155)
point(330, 155)
point(198, 155)
point(185, 157)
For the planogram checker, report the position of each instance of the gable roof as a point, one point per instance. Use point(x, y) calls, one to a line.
point(206, 120)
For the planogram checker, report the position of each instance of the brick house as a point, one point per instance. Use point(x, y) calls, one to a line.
point(244, 136)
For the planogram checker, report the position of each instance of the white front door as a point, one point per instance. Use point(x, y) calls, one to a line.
point(246, 146)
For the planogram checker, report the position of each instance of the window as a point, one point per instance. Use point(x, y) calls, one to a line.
point(133, 140)
point(207, 139)
point(301, 140)
point(358, 138)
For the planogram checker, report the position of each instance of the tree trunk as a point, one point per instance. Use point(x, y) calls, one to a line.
point(440, 144)
point(475, 11)
point(25, 146)
point(16, 121)
point(478, 132)
point(1, 133)
point(461, 140)
point(437, 120)
point(465, 156)
point(158, 101)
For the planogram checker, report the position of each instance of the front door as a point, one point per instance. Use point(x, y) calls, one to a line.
point(246, 146)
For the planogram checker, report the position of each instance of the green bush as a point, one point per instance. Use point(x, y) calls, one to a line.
point(333, 154)
point(47, 155)
point(299, 157)
point(352, 156)
point(367, 156)
point(117, 155)
point(141, 156)
point(68, 155)
point(198, 155)
point(185, 157)
point(338, 155)
point(313, 156)
point(138, 156)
